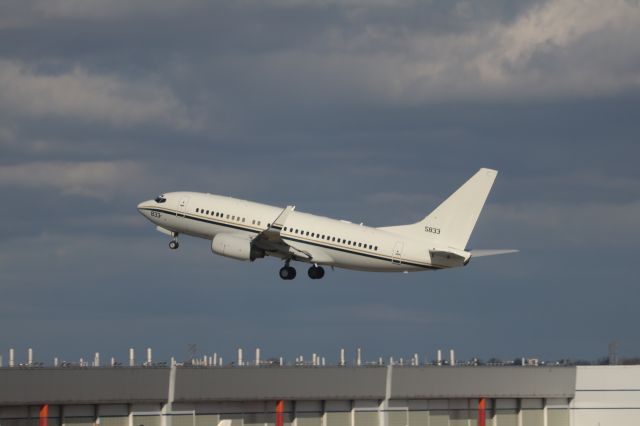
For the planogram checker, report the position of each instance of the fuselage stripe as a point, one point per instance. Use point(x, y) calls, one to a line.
point(289, 238)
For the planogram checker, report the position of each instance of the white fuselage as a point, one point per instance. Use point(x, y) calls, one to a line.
point(332, 242)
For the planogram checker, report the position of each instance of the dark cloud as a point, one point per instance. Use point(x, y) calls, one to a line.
point(366, 111)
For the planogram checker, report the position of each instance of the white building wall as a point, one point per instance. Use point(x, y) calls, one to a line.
point(606, 396)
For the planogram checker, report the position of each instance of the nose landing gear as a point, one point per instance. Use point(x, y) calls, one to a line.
point(173, 244)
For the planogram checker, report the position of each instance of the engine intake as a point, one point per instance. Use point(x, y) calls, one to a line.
point(236, 247)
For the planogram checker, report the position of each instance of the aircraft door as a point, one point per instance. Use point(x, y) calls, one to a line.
point(182, 206)
point(396, 256)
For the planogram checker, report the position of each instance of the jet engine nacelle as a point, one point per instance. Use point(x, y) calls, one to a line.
point(235, 247)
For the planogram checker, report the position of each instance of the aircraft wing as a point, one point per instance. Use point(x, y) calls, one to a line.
point(270, 240)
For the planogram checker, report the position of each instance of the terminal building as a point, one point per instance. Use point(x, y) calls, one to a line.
point(274, 395)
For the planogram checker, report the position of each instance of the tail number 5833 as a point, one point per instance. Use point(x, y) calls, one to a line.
point(432, 230)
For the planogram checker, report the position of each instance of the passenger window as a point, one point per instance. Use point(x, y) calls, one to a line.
point(243, 220)
point(376, 248)
point(258, 223)
point(307, 233)
point(227, 216)
point(253, 222)
point(197, 210)
point(333, 238)
point(359, 244)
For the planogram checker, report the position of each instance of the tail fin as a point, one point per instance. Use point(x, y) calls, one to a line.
point(452, 222)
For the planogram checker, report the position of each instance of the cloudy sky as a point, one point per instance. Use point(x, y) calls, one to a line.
point(367, 110)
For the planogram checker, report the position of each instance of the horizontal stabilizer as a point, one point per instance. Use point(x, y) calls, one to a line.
point(481, 253)
point(449, 254)
point(449, 257)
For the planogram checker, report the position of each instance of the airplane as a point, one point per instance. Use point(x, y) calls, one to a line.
point(245, 230)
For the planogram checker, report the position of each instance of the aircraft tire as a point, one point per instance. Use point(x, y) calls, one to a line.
point(173, 245)
point(287, 273)
point(316, 272)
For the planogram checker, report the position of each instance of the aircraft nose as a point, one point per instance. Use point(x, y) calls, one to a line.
point(142, 205)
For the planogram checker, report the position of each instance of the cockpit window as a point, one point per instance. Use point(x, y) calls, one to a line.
point(160, 199)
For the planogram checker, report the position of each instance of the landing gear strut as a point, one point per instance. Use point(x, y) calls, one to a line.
point(316, 272)
point(287, 272)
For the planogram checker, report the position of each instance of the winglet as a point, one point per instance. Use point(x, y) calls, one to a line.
point(278, 224)
point(272, 233)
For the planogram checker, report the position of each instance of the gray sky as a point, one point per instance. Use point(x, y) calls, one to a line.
point(370, 111)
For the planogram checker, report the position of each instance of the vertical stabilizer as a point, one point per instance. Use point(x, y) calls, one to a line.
point(452, 222)
point(456, 217)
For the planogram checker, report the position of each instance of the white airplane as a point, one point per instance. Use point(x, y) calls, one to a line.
point(246, 230)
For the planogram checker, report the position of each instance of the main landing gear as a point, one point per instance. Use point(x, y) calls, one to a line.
point(287, 272)
point(316, 272)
